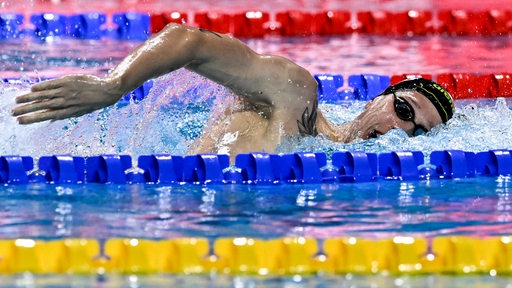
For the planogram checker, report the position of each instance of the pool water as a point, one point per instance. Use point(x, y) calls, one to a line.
point(350, 54)
point(174, 114)
point(474, 206)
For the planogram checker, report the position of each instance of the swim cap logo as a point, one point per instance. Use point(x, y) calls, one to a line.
point(445, 93)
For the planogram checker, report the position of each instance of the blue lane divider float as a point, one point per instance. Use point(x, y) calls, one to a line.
point(302, 167)
point(91, 25)
point(134, 96)
point(401, 165)
point(356, 166)
point(256, 168)
point(207, 168)
point(132, 26)
point(87, 25)
point(10, 25)
point(367, 86)
point(161, 168)
point(62, 169)
point(452, 164)
point(49, 25)
point(108, 168)
point(14, 169)
point(360, 87)
point(330, 88)
point(494, 163)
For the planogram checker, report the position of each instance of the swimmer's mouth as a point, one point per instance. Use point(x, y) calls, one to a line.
point(374, 134)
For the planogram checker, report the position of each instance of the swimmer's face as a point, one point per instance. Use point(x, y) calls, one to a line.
point(406, 110)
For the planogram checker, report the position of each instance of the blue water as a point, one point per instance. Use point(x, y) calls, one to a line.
point(474, 206)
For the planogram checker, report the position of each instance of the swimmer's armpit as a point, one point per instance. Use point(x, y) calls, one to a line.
point(307, 124)
point(209, 31)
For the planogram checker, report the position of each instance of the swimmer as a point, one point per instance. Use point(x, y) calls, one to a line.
point(279, 97)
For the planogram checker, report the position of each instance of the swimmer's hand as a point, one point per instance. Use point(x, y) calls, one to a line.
point(69, 96)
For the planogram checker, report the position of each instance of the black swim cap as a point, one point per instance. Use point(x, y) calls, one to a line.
point(434, 92)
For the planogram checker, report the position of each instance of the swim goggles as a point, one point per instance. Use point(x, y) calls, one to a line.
point(405, 112)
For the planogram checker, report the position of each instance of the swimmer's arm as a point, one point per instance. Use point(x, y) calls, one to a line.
point(218, 57)
point(76, 95)
point(260, 79)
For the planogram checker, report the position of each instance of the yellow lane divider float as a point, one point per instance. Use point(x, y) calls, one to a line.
point(281, 256)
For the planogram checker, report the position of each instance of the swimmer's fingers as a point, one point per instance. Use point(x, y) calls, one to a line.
point(62, 82)
point(50, 115)
point(50, 84)
point(69, 96)
point(33, 106)
point(37, 96)
point(54, 88)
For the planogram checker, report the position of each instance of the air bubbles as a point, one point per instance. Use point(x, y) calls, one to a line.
point(502, 106)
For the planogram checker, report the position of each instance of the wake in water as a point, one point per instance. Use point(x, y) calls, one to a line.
point(170, 117)
point(180, 104)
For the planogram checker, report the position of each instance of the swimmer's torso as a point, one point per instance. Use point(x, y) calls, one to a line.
point(250, 128)
point(239, 132)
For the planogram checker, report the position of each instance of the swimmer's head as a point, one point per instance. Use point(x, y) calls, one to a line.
point(415, 106)
point(435, 93)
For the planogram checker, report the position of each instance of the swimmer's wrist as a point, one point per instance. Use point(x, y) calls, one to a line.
point(115, 88)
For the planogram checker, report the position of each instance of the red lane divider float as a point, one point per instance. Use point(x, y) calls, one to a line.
point(462, 22)
point(464, 85)
point(257, 23)
point(333, 23)
point(300, 23)
point(159, 20)
point(411, 22)
point(250, 24)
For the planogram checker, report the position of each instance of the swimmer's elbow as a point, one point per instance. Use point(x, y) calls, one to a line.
point(177, 33)
point(182, 41)
point(173, 27)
